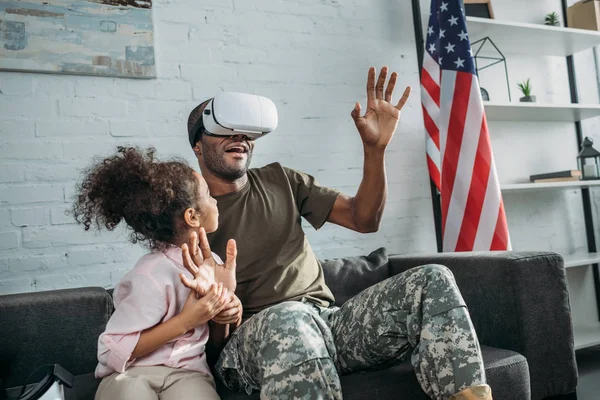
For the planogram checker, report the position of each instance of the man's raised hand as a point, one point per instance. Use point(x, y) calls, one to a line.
point(378, 124)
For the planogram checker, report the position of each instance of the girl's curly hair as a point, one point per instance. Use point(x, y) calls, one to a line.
point(132, 186)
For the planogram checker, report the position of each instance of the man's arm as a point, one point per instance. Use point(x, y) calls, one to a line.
point(362, 213)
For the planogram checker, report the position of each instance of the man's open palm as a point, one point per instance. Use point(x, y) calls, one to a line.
point(198, 260)
point(380, 121)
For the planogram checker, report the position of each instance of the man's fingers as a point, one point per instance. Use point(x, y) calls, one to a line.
point(404, 98)
point(211, 294)
point(389, 91)
point(218, 309)
point(193, 285)
point(223, 320)
point(356, 112)
point(187, 260)
point(381, 83)
point(228, 312)
point(230, 262)
point(186, 282)
point(204, 246)
point(194, 252)
point(192, 246)
point(219, 290)
point(219, 301)
point(371, 86)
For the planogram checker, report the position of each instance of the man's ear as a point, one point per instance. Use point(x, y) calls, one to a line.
point(191, 218)
point(197, 149)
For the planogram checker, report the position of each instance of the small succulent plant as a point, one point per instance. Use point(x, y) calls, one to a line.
point(525, 87)
point(552, 19)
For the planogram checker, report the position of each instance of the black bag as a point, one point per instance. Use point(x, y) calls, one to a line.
point(50, 387)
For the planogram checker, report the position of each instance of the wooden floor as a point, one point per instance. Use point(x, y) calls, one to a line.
point(588, 363)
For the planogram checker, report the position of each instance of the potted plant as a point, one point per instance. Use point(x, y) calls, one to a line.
point(526, 89)
point(552, 19)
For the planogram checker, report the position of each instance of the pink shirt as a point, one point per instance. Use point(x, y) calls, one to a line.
point(149, 294)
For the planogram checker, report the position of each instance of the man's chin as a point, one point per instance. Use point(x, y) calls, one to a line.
point(233, 172)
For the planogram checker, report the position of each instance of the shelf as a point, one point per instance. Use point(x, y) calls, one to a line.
point(540, 112)
point(514, 187)
point(581, 259)
point(586, 336)
point(532, 39)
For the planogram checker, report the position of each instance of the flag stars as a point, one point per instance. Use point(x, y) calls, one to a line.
point(430, 31)
point(463, 35)
point(471, 53)
point(459, 63)
point(450, 48)
point(444, 6)
point(453, 21)
point(442, 33)
point(432, 48)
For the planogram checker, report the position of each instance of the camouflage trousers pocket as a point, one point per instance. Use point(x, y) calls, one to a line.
point(231, 369)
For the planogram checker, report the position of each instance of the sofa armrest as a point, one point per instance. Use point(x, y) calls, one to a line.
point(58, 326)
point(517, 301)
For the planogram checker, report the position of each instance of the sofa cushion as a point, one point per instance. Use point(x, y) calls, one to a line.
point(84, 388)
point(507, 373)
point(346, 277)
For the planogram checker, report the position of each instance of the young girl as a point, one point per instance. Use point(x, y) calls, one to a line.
point(154, 343)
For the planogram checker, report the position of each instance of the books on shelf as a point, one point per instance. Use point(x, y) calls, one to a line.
point(570, 179)
point(558, 176)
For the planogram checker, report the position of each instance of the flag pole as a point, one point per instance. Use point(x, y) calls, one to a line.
point(435, 194)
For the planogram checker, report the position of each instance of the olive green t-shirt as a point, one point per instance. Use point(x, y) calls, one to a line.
point(275, 262)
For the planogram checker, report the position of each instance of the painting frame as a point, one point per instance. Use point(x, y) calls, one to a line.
point(113, 38)
point(478, 4)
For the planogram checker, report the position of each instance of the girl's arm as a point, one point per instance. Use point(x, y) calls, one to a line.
point(151, 339)
point(195, 312)
point(134, 329)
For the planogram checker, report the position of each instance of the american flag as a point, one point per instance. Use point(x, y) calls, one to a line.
point(459, 152)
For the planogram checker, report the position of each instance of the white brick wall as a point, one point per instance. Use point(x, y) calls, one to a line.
point(310, 57)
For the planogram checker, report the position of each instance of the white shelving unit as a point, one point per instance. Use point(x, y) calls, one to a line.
point(541, 40)
point(586, 335)
point(540, 112)
point(520, 187)
point(532, 39)
point(581, 259)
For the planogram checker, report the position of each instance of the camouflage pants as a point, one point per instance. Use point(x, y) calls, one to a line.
point(296, 350)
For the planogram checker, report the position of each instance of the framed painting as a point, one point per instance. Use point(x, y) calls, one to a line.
point(85, 37)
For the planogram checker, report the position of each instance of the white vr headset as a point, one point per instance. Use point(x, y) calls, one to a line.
point(229, 114)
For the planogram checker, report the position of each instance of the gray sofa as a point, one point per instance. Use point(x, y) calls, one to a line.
point(518, 302)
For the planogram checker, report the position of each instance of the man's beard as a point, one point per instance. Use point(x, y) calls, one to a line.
point(215, 163)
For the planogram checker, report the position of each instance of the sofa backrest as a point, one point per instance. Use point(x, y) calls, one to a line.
point(59, 326)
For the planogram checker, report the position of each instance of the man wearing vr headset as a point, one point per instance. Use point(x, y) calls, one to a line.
point(293, 342)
